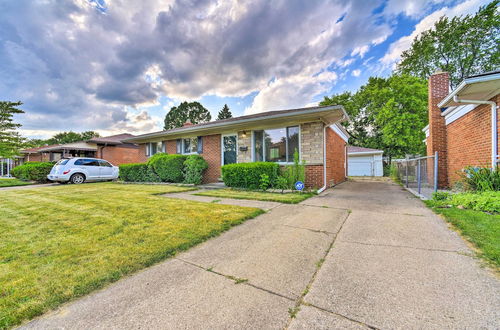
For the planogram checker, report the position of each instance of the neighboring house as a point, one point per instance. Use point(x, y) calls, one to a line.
point(114, 150)
point(271, 136)
point(364, 161)
point(463, 124)
point(110, 148)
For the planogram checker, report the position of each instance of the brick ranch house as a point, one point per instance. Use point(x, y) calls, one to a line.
point(270, 136)
point(110, 148)
point(463, 124)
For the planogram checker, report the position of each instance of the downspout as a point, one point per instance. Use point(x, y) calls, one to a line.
point(320, 190)
point(494, 124)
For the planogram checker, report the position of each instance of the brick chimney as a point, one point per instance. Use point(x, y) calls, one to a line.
point(439, 88)
point(187, 123)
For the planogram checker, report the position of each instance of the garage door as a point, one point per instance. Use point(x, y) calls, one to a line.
point(360, 168)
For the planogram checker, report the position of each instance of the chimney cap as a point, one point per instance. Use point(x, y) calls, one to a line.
point(439, 71)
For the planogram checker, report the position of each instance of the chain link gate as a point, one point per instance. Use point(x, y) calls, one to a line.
point(419, 174)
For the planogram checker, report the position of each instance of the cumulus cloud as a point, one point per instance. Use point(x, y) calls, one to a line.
point(99, 64)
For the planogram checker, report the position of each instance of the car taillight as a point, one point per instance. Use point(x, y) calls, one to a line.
point(66, 172)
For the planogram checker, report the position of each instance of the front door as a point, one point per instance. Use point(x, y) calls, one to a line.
point(229, 145)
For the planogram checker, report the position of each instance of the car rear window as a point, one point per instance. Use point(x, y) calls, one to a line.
point(62, 161)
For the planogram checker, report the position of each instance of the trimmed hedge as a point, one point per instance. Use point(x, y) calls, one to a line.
point(194, 166)
point(140, 172)
point(168, 167)
point(33, 171)
point(247, 175)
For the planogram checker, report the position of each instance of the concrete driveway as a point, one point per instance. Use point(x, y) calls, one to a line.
point(361, 255)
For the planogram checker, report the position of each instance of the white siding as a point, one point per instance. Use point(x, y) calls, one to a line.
point(365, 165)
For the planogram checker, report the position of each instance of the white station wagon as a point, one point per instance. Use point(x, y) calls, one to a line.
point(78, 170)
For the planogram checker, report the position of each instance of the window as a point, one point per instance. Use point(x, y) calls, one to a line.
point(87, 162)
point(62, 161)
point(104, 163)
point(190, 145)
point(154, 148)
point(276, 145)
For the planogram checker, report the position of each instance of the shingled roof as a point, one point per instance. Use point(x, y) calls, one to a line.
point(113, 139)
point(354, 149)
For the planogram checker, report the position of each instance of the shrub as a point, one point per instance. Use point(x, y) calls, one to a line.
point(140, 172)
point(168, 167)
point(481, 178)
point(247, 175)
point(488, 201)
point(33, 171)
point(295, 172)
point(281, 183)
point(441, 195)
point(264, 182)
point(193, 169)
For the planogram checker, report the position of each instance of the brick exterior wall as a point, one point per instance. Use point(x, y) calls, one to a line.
point(314, 176)
point(311, 143)
point(335, 158)
point(142, 153)
point(211, 153)
point(438, 89)
point(311, 152)
point(469, 141)
point(120, 154)
point(245, 140)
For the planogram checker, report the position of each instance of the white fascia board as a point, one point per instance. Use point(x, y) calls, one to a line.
point(463, 84)
point(458, 112)
point(340, 132)
point(360, 153)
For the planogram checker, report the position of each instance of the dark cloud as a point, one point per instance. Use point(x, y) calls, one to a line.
point(78, 67)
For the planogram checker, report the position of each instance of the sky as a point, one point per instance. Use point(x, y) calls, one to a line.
point(116, 66)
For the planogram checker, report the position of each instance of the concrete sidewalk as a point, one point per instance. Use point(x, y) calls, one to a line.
point(365, 254)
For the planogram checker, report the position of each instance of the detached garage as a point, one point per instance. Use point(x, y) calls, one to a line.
point(364, 161)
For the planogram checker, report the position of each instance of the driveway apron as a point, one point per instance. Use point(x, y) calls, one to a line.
point(361, 255)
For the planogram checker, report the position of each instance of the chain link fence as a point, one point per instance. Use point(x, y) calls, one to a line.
point(419, 174)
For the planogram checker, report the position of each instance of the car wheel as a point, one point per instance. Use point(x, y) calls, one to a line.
point(77, 178)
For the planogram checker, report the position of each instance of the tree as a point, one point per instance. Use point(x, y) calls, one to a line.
point(462, 46)
point(225, 113)
point(403, 115)
point(10, 140)
point(70, 137)
point(193, 111)
point(386, 113)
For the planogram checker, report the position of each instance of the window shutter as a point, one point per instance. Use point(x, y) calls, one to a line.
point(164, 146)
point(179, 146)
point(147, 149)
point(200, 145)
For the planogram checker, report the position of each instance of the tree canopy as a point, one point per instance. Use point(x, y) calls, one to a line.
point(225, 113)
point(193, 111)
point(63, 137)
point(462, 46)
point(387, 113)
point(10, 140)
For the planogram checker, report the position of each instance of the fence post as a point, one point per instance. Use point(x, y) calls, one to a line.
point(406, 171)
point(436, 171)
point(418, 176)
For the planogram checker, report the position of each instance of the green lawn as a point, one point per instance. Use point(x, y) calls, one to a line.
point(61, 242)
point(289, 198)
point(13, 182)
point(480, 228)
